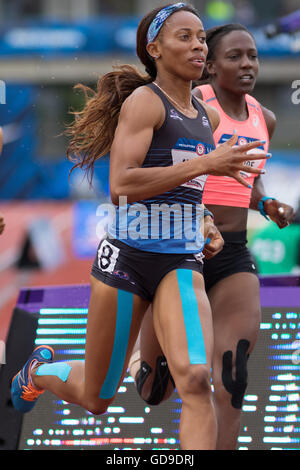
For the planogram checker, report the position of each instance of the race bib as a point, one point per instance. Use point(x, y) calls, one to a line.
point(185, 150)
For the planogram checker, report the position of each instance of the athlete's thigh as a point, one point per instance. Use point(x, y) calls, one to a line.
point(236, 312)
point(114, 319)
point(182, 321)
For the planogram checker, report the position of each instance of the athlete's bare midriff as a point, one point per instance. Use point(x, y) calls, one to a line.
point(228, 218)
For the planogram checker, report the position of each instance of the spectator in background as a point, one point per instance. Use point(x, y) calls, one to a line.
point(245, 12)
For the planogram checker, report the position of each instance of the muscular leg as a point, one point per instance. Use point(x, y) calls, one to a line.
point(183, 324)
point(235, 303)
point(154, 383)
point(114, 320)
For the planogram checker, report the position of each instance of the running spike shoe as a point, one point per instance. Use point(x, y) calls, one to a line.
point(23, 394)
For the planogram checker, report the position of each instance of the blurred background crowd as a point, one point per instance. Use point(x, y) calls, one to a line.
point(47, 47)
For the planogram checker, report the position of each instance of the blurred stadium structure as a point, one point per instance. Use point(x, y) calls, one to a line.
point(48, 46)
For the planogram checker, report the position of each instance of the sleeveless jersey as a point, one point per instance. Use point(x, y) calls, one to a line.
point(223, 190)
point(169, 222)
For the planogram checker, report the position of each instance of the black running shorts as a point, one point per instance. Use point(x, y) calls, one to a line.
point(140, 272)
point(234, 258)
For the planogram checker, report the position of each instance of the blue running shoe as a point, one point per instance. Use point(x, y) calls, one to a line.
point(23, 394)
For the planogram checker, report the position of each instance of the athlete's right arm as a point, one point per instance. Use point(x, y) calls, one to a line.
point(140, 115)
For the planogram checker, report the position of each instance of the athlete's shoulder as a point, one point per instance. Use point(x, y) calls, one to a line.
point(142, 105)
point(142, 95)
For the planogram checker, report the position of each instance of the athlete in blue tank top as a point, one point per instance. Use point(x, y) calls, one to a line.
point(170, 222)
point(143, 130)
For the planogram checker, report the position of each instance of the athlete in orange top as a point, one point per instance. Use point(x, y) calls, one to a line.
point(227, 191)
point(230, 276)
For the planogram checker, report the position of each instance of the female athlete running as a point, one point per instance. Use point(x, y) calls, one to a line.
point(161, 147)
point(230, 276)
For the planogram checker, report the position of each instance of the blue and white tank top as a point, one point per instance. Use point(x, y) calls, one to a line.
point(169, 222)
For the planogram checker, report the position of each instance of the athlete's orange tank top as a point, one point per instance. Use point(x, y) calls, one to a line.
point(223, 190)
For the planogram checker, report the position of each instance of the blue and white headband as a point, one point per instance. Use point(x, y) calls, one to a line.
point(159, 20)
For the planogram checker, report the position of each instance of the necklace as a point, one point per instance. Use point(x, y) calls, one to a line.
point(172, 99)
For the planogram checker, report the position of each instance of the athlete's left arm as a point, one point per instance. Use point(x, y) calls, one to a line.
point(282, 214)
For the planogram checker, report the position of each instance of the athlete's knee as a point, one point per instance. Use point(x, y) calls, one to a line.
point(95, 406)
point(235, 375)
point(159, 384)
point(195, 381)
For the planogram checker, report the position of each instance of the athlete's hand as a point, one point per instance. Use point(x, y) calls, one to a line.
point(2, 223)
point(282, 214)
point(214, 240)
point(227, 160)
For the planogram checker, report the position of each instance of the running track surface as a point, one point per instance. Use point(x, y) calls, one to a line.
point(17, 216)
